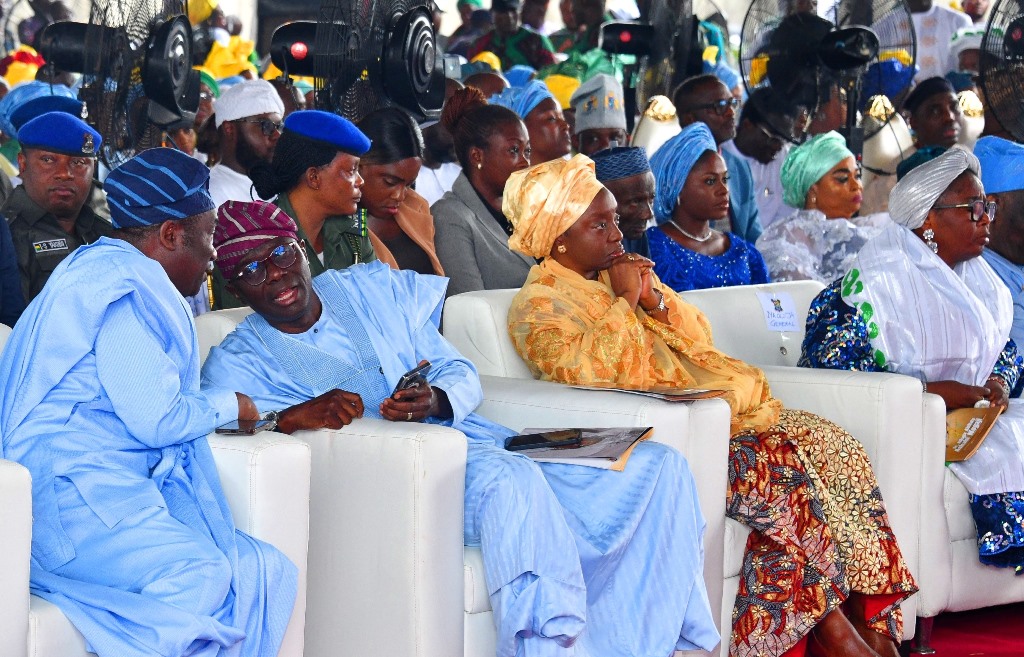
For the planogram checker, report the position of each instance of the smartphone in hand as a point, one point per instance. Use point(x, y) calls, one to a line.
point(415, 377)
point(247, 428)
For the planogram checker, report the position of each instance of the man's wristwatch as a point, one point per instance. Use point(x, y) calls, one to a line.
point(271, 417)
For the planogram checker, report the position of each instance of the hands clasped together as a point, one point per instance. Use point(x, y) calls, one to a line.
point(632, 278)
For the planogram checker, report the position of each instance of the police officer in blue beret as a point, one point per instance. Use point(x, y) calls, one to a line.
point(314, 178)
point(48, 214)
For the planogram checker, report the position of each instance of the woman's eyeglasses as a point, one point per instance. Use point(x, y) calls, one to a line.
point(255, 272)
point(266, 125)
point(977, 208)
point(720, 107)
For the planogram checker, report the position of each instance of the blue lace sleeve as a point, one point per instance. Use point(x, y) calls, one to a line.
point(1009, 367)
point(836, 337)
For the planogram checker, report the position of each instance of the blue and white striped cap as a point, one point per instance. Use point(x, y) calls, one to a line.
point(158, 185)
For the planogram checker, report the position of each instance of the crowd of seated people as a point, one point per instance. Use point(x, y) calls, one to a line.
point(315, 222)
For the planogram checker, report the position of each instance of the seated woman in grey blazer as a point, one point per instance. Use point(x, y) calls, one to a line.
point(470, 232)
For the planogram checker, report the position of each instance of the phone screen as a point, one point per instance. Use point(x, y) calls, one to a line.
point(232, 428)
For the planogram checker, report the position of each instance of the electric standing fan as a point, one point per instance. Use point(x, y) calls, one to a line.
point(137, 77)
point(366, 55)
point(1002, 66)
point(807, 57)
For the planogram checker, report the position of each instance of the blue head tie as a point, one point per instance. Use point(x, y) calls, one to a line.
point(672, 164)
point(523, 100)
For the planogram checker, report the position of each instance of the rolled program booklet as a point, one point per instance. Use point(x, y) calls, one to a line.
point(607, 448)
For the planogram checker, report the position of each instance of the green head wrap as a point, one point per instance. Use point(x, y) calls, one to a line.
point(209, 81)
point(808, 162)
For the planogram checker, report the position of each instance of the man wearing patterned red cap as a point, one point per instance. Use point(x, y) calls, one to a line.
point(131, 537)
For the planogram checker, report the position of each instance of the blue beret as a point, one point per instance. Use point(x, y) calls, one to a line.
point(620, 162)
point(328, 128)
point(158, 185)
point(1002, 164)
point(59, 132)
point(24, 92)
point(44, 105)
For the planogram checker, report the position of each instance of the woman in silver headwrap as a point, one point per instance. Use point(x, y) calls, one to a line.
point(919, 300)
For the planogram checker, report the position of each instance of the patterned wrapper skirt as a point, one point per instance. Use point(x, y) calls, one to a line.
point(820, 531)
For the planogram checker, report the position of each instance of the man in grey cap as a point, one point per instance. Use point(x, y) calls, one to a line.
point(600, 115)
point(249, 118)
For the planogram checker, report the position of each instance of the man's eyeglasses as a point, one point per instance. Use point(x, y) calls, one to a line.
point(266, 125)
point(720, 107)
point(977, 208)
point(255, 272)
point(770, 135)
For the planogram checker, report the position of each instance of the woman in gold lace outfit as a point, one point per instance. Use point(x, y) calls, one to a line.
point(822, 573)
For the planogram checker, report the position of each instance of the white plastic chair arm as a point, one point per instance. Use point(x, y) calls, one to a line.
point(15, 548)
point(386, 541)
point(266, 480)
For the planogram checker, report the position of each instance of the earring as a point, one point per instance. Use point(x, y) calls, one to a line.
point(479, 165)
point(929, 239)
point(813, 199)
point(561, 248)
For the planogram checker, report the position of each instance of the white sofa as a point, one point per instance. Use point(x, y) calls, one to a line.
point(872, 407)
point(266, 480)
point(946, 565)
point(388, 571)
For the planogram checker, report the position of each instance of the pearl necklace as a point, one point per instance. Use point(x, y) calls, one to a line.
point(695, 238)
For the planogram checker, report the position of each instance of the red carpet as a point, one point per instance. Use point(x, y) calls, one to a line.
point(992, 632)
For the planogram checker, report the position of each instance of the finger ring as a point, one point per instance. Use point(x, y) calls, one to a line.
point(408, 417)
point(630, 257)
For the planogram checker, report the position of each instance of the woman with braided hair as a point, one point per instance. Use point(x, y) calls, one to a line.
point(470, 232)
point(315, 177)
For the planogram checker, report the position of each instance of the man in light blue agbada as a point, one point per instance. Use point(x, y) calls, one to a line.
point(132, 538)
point(1002, 175)
point(578, 561)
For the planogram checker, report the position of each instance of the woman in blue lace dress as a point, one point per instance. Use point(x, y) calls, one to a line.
point(692, 191)
point(919, 300)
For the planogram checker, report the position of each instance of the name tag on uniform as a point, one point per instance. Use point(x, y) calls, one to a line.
point(779, 312)
point(47, 246)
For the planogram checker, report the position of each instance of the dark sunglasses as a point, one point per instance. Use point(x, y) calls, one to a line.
point(266, 125)
point(720, 107)
point(255, 272)
point(977, 207)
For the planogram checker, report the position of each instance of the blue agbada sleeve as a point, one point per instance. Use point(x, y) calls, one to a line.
point(147, 394)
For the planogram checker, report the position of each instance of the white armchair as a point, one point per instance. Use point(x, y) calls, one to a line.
point(946, 561)
point(872, 407)
point(266, 481)
point(388, 570)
